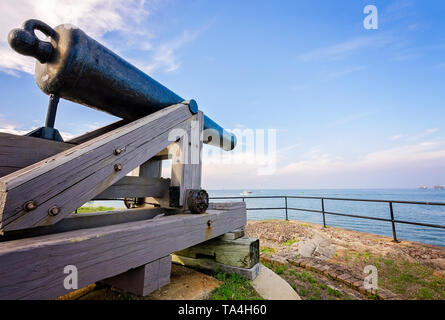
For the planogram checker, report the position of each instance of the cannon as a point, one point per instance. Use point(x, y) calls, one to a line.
point(98, 164)
point(73, 66)
point(44, 180)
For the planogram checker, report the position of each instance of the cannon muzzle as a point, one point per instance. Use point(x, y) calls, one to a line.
point(76, 67)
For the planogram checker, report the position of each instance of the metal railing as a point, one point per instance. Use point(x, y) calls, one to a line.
point(390, 203)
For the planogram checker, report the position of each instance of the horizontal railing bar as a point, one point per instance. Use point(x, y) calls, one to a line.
point(306, 210)
point(420, 224)
point(335, 199)
point(356, 216)
point(342, 214)
point(266, 208)
point(249, 197)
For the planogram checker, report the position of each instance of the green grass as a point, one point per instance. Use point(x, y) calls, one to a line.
point(303, 292)
point(410, 280)
point(334, 292)
point(290, 242)
point(94, 209)
point(235, 287)
point(267, 250)
point(308, 286)
point(279, 269)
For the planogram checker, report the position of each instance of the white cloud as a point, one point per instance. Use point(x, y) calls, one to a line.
point(404, 166)
point(351, 118)
point(405, 155)
point(96, 17)
point(344, 49)
point(165, 56)
point(398, 137)
point(430, 131)
point(17, 129)
point(128, 19)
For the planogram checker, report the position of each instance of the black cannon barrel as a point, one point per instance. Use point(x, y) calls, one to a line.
point(78, 68)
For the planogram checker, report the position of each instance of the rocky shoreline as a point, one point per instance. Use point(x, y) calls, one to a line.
point(407, 270)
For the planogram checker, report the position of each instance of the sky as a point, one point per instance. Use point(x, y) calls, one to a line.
point(352, 107)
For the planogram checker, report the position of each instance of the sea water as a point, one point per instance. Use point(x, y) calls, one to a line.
point(407, 212)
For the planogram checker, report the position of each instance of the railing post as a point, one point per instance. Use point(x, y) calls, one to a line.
point(322, 210)
point(287, 217)
point(394, 233)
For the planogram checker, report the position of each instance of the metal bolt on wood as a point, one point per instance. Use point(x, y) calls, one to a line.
point(117, 151)
point(30, 205)
point(117, 167)
point(54, 211)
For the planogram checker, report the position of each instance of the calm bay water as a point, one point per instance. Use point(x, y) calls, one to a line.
point(414, 213)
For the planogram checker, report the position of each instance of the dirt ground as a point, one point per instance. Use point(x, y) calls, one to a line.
point(186, 284)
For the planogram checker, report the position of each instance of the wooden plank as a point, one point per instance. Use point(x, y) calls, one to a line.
point(162, 155)
point(89, 220)
point(33, 268)
point(153, 169)
point(17, 152)
point(212, 265)
point(186, 160)
point(233, 235)
point(241, 253)
point(135, 187)
point(145, 279)
point(73, 177)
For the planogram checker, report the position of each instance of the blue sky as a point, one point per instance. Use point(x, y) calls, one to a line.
point(353, 108)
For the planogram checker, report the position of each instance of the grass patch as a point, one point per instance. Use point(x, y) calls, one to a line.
point(235, 287)
point(410, 280)
point(290, 242)
point(279, 270)
point(94, 209)
point(308, 286)
point(267, 250)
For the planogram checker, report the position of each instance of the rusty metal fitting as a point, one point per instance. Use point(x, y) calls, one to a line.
point(198, 201)
point(117, 167)
point(117, 151)
point(54, 211)
point(30, 205)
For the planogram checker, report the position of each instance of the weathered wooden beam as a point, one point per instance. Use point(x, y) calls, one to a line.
point(186, 160)
point(163, 155)
point(233, 235)
point(145, 279)
point(241, 253)
point(212, 265)
point(34, 268)
point(77, 221)
point(135, 187)
point(17, 152)
point(44, 193)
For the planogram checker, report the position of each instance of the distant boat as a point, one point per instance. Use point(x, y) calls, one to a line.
point(439, 188)
point(245, 193)
point(423, 187)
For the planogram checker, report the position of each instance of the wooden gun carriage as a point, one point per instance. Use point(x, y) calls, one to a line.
point(44, 179)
